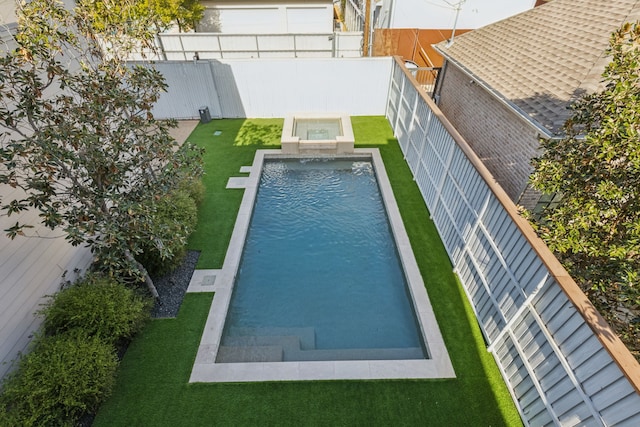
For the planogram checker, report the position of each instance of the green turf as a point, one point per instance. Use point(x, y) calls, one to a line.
point(224, 155)
point(153, 388)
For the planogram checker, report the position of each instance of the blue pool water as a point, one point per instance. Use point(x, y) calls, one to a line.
point(320, 278)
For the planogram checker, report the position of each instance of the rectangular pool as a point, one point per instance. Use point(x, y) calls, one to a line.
point(320, 277)
point(289, 329)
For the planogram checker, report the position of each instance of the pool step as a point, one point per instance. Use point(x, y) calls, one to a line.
point(410, 353)
point(232, 354)
point(239, 349)
point(307, 336)
point(297, 344)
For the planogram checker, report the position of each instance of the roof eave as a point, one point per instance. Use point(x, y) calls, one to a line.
point(546, 133)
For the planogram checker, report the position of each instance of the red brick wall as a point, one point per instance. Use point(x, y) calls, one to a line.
point(501, 138)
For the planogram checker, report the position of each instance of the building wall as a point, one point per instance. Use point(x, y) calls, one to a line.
point(504, 141)
point(440, 14)
point(30, 268)
point(292, 16)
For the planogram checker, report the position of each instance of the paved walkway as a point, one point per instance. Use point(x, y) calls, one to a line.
point(184, 129)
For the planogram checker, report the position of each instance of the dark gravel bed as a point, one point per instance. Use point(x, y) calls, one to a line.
point(173, 286)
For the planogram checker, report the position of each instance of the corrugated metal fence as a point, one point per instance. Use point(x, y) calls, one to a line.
point(273, 87)
point(560, 370)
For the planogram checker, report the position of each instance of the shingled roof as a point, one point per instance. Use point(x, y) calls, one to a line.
point(542, 60)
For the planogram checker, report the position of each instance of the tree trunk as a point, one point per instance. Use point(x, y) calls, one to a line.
point(147, 278)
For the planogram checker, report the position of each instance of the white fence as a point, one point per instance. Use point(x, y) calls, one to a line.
point(553, 349)
point(187, 46)
point(274, 87)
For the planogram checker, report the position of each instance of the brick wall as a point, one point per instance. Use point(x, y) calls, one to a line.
point(501, 138)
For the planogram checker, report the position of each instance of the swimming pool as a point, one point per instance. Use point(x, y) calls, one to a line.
point(206, 368)
point(320, 277)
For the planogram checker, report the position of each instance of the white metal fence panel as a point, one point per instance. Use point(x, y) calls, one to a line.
point(183, 46)
point(190, 87)
point(231, 102)
point(280, 87)
point(274, 87)
point(348, 44)
point(556, 368)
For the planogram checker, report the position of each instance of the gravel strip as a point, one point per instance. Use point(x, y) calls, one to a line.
point(173, 286)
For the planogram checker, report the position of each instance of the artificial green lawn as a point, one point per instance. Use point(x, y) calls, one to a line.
point(153, 388)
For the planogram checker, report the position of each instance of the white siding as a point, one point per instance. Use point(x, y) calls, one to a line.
point(440, 14)
point(30, 268)
point(274, 18)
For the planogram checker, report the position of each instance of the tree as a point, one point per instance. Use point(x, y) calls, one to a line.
point(596, 229)
point(184, 13)
point(132, 16)
point(78, 137)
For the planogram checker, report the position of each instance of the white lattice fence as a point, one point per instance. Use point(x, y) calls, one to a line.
point(534, 318)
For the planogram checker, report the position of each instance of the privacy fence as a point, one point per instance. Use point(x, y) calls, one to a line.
point(561, 361)
point(273, 87)
point(187, 46)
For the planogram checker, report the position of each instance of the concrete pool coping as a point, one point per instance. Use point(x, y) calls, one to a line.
point(205, 368)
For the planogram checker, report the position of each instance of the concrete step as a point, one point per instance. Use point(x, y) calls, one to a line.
point(410, 353)
point(286, 343)
point(231, 354)
point(307, 336)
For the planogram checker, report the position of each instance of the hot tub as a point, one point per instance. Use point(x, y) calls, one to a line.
point(317, 134)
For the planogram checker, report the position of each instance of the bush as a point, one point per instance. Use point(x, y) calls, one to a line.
point(194, 187)
point(178, 215)
point(64, 377)
point(99, 307)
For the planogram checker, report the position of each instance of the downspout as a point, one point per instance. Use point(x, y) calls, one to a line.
point(437, 86)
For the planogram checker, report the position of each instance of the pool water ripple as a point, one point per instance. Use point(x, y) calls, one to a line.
point(320, 254)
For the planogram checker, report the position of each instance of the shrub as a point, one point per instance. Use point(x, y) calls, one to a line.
point(178, 214)
point(62, 378)
point(194, 187)
point(99, 307)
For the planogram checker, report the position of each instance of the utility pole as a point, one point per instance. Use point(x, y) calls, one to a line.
point(367, 28)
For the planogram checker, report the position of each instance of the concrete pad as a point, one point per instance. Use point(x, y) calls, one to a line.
point(237, 182)
point(203, 280)
point(184, 129)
